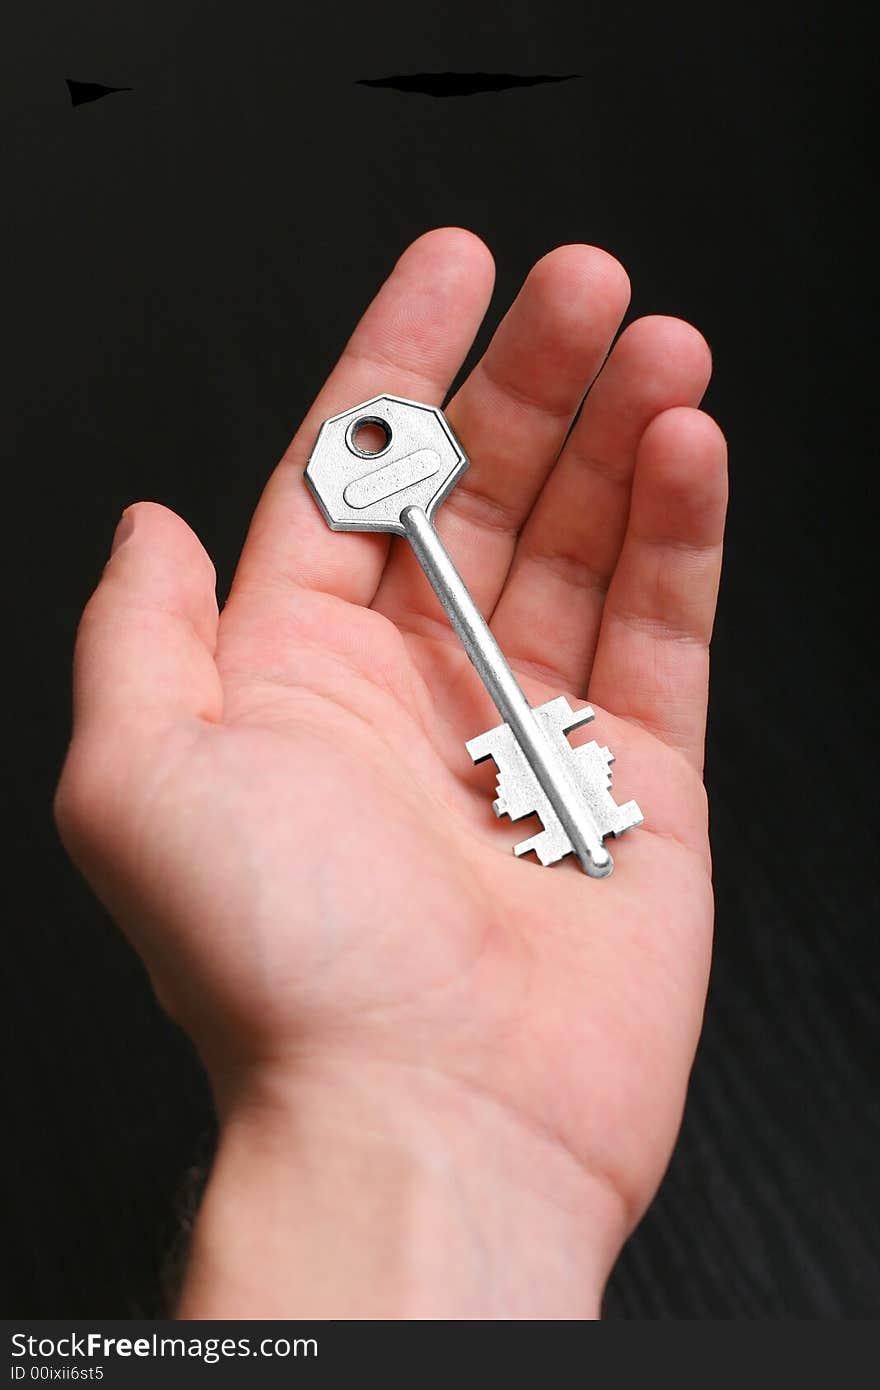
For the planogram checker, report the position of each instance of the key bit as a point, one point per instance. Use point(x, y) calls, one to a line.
point(519, 794)
point(397, 487)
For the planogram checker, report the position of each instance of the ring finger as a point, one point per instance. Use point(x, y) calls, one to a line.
point(549, 614)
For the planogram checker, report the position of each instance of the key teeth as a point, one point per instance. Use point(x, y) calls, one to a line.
point(477, 759)
point(629, 815)
point(519, 795)
point(541, 848)
point(574, 717)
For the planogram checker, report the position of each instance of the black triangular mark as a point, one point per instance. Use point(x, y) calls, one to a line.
point(461, 84)
point(90, 91)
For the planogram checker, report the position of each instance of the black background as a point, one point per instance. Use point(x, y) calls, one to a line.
point(182, 263)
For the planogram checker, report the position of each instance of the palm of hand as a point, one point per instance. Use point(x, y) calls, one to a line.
point(317, 863)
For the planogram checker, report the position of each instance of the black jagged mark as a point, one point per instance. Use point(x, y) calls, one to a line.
point(81, 92)
point(461, 84)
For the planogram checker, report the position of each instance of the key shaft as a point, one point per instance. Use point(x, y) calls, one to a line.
point(492, 667)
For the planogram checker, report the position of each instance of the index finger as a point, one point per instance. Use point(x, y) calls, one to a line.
point(410, 342)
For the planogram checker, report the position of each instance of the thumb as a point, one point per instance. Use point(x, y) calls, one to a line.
point(144, 659)
point(145, 647)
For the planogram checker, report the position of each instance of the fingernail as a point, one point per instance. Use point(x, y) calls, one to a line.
point(122, 532)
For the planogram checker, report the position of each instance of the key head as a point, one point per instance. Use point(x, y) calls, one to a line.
point(416, 464)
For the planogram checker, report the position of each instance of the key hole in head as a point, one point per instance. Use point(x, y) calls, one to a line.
point(368, 437)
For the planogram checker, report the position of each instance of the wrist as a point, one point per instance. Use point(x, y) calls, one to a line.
point(394, 1193)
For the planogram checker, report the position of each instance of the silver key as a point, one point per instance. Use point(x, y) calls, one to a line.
point(398, 487)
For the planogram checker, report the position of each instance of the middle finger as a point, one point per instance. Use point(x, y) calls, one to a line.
point(512, 416)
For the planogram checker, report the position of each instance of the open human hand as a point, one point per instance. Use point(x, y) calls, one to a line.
point(449, 1080)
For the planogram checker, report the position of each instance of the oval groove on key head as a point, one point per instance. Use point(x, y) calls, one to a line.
point(394, 477)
